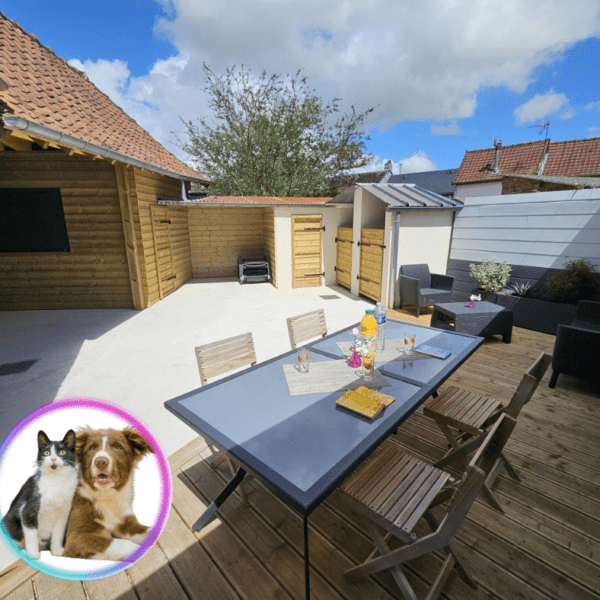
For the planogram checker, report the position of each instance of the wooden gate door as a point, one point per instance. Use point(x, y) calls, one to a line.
point(343, 256)
point(307, 235)
point(162, 250)
point(371, 263)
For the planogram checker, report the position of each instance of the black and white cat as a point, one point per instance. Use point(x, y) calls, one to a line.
point(38, 516)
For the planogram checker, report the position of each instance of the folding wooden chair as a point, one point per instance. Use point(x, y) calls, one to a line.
point(304, 327)
point(472, 414)
point(221, 357)
point(393, 490)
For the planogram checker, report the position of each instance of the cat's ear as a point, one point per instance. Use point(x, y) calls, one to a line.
point(42, 439)
point(69, 440)
point(139, 445)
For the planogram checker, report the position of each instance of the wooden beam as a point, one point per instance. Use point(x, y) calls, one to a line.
point(22, 135)
point(125, 200)
point(15, 142)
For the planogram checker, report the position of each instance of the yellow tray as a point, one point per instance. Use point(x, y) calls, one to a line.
point(365, 401)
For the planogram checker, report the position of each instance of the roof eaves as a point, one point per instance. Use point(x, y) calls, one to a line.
point(42, 131)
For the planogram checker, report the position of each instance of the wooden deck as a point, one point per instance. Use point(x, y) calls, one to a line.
point(546, 546)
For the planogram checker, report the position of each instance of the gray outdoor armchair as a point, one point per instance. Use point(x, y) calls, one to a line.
point(419, 287)
point(577, 345)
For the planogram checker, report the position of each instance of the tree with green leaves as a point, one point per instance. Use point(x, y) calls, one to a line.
point(274, 136)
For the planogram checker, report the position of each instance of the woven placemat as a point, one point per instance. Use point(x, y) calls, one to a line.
point(328, 376)
point(390, 353)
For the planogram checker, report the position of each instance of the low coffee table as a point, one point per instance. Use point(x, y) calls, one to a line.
point(485, 319)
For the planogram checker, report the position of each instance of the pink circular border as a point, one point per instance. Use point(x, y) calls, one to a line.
point(165, 475)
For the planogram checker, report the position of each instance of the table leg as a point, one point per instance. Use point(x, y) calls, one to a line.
point(207, 515)
point(306, 560)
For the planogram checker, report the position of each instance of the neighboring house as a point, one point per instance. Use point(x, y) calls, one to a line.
point(531, 167)
point(80, 224)
point(346, 193)
point(439, 182)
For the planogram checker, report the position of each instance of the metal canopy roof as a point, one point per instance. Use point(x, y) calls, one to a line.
point(408, 195)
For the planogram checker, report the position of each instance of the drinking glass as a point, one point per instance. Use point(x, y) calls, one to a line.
point(303, 360)
point(369, 366)
point(409, 343)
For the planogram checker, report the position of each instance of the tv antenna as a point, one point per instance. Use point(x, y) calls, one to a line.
point(543, 126)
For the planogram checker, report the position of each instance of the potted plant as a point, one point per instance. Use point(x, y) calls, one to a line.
point(577, 281)
point(491, 276)
point(544, 307)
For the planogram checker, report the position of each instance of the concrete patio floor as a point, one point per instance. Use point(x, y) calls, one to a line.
point(139, 359)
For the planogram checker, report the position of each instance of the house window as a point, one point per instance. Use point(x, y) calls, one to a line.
point(32, 220)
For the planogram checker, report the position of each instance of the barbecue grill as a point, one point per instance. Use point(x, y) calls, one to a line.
point(253, 270)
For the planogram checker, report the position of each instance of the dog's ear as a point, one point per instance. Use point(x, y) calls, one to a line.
point(80, 442)
point(69, 440)
point(138, 444)
point(42, 439)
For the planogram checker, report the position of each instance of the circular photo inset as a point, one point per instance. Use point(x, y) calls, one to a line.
point(85, 489)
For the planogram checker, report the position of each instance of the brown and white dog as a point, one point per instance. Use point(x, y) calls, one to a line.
point(102, 524)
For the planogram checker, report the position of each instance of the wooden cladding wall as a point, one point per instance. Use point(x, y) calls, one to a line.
point(94, 274)
point(371, 263)
point(220, 235)
point(307, 245)
point(343, 259)
point(270, 241)
point(148, 187)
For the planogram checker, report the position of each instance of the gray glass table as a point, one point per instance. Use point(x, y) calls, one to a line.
point(302, 446)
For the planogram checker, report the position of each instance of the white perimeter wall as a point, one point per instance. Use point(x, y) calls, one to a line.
point(540, 230)
point(332, 218)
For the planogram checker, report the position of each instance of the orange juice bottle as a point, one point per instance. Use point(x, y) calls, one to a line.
point(368, 325)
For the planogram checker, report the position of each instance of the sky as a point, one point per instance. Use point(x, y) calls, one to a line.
point(444, 76)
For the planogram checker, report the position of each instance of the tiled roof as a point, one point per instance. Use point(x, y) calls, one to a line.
point(439, 182)
point(575, 157)
point(45, 90)
point(520, 158)
point(252, 200)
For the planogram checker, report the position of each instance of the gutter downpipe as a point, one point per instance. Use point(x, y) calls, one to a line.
point(396, 244)
point(42, 131)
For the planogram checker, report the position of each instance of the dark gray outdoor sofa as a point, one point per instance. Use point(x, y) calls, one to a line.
point(419, 287)
point(577, 346)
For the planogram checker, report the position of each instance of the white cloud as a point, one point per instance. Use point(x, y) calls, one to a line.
point(540, 106)
point(568, 114)
point(417, 162)
point(450, 129)
point(412, 59)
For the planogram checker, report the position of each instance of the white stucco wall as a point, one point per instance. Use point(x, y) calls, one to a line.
point(425, 238)
point(332, 218)
point(488, 188)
